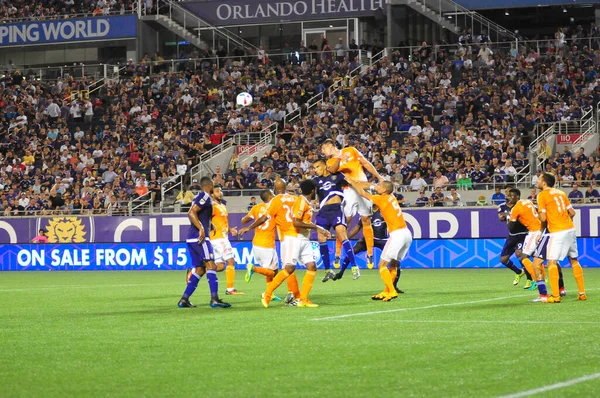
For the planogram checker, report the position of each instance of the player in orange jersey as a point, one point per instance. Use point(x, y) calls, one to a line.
point(523, 212)
point(353, 165)
point(219, 237)
point(556, 212)
point(280, 209)
point(263, 243)
point(400, 237)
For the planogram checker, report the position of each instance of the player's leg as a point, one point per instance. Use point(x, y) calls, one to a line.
point(264, 258)
point(553, 254)
point(405, 240)
point(341, 231)
point(573, 253)
point(325, 257)
point(395, 249)
point(307, 258)
point(338, 253)
point(359, 247)
point(508, 250)
point(289, 258)
point(369, 238)
point(561, 282)
point(196, 272)
point(396, 271)
point(213, 285)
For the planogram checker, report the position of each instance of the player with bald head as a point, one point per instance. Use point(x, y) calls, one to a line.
point(400, 237)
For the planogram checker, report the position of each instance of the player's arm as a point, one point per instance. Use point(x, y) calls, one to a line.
point(542, 209)
point(257, 223)
point(502, 215)
point(193, 216)
point(368, 166)
point(357, 186)
point(514, 217)
point(298, 223)
point(570, 209)
point(248, 217)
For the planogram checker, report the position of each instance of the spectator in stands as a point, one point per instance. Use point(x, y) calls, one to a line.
point(422, 200)
point(437, 198)
point(575, 196)
point(41, 237)
point(417, 183)
point(591, 195)
point(252, 203)
point(453, 198)
point(498, 197)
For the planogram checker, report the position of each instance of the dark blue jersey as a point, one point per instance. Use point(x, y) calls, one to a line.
point(204, 202)
point(329, 187)
point(519, 228)
point(379, 226)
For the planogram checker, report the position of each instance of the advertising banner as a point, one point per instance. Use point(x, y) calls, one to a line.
point(446, 223)
point(566, 139)
point(68, 30)
point(244, 12)
point(423, 254)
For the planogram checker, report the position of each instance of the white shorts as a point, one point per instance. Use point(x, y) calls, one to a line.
point(297, 250)
point(222, 249)
point(562, 244)
point(397, 245)
point(354, 203)
point(265, 257)
point(531, 243)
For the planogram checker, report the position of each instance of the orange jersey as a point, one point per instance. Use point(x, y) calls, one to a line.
point(556, 205)
point(220, 221)
point(303, 211)
point(280, 210)
point(390, 211)
point(524, 211)
point(350, 164)
point(264, 235)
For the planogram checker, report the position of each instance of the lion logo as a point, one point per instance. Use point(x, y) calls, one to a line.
point(66, 230)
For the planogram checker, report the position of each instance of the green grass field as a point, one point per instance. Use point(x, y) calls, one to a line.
point(454, 333)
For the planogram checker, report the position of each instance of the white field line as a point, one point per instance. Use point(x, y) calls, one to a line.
point(551, 387)
point(58, 287)
point(457, 321)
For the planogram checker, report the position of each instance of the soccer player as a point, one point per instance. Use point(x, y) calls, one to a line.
point(263, 243)
point(381, 237)
point(280, 209)
point(513, 245)
point(557, 213)
point(523, 212)
point(200, 248)
point(331, 215)
point(219, 238)
point(540, 274)
point(353, 165)
point(400, 237)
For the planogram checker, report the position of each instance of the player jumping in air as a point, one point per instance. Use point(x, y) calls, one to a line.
point(381, 236)
point(331, 215)
point(514, 245)
point(400, 237)
point(200, 248)
point(556, 212)
point(219, 238)
point(353, 165)
point(263, 243)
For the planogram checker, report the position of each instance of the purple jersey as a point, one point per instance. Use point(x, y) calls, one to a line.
point(204, 202)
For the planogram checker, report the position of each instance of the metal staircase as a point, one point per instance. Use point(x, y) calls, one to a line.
point(456, 18)
point(192, 28)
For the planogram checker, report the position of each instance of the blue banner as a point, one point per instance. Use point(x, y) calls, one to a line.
point(427, 253)
point(68, 30)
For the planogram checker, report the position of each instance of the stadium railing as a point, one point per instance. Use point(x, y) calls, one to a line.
point(53, 17)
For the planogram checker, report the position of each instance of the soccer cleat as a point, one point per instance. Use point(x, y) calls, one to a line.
point(542, 298)
point(293, 303)
point(217, 303)
point(233, 292)
point(398, 290)
point(518, 277)
point(289, 298)
point(185, 303)
point(273, 298)
point(249, 273)
point(379, 296)
point(390, 296)
point(553, 299)
point(562, 292)
point(336, 262)
point(582, 297)
point(329, 275)
point(337, 276)
point(188, 274)
point(306, 304)
point(370, 262)
point(355, 272)
point(530, 285)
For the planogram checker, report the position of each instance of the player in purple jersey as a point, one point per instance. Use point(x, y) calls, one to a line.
point(200, 249)
point(330, 188)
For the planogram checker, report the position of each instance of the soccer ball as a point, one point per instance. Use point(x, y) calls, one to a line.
point(244, 99)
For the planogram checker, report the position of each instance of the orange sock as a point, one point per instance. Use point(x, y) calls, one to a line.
point(307, 284)
point(292, 284)
point(338, 247)
point(529, 267)
point(578, 274)
point(230, 276)
point(543, 271)
point(553, 273)
point(369, 238)
point(277, 281)
point(393, 273)
point(387, 279)
point(269, 273)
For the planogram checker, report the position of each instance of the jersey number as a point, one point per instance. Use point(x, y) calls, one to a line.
point(560, 204)
point(288, 213)
point(395, 206)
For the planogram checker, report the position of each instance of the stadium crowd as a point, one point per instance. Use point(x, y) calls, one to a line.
point(18, 10)
point(433, 118)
